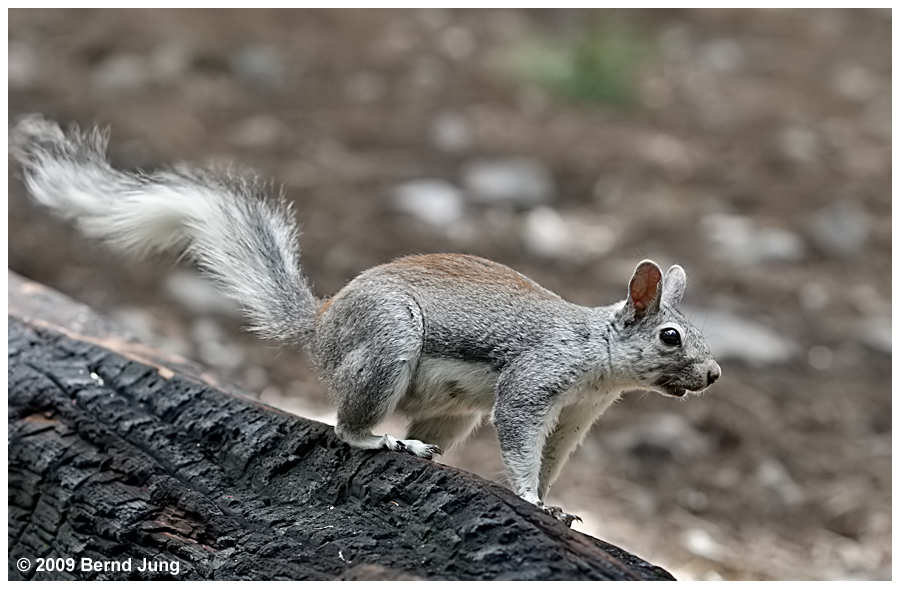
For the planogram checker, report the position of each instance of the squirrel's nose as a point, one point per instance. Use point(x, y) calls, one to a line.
point(713, 374)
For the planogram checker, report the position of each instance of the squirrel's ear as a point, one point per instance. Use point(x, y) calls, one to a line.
point(673, 285)
point(644, 290)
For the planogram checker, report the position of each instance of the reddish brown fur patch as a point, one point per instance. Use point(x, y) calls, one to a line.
point(324, 307)
point(464, 269)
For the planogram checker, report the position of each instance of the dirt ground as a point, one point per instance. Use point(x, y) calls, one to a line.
point(755, 151)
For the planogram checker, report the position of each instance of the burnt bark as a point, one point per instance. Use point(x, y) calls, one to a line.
point(122, 456)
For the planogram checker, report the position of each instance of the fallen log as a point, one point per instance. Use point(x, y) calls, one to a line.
point(125, 463)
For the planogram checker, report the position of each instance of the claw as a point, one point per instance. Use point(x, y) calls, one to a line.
point(562, 516)
point(414, 447)
point(427, 451)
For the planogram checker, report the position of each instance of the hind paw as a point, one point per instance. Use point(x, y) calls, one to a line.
point(415, 447)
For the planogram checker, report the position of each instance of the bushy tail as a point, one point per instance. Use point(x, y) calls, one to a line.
point(245, 241)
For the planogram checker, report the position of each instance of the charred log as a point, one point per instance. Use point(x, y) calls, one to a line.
point(125, 464)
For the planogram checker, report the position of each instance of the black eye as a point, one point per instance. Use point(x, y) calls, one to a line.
point(670, 336)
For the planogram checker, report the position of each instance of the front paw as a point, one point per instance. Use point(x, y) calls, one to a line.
point(562, 516)
point(420, 449)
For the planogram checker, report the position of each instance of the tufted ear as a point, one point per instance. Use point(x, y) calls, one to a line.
point(673, 286)
point(644, 290)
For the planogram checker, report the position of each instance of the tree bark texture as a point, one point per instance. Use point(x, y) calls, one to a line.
point(141, 466)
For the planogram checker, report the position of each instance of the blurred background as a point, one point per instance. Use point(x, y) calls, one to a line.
point(753, 147)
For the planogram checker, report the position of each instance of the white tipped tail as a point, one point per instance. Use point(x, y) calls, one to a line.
point(244, 240)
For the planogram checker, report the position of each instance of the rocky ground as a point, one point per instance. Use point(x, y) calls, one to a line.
point(751, 147)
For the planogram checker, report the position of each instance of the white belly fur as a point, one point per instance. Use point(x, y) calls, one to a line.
point(443, 386)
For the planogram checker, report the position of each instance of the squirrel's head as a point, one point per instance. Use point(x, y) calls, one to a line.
point(663, 352)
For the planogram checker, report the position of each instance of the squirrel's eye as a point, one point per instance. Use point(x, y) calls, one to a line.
point(670, 336)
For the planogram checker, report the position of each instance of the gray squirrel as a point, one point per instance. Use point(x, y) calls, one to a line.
point(444, 339)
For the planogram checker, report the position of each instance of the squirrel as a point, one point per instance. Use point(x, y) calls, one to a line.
point(444, 339)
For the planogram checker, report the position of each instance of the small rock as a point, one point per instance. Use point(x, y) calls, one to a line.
point(854, 82)
point(450, 132)
point(548, 234)
point(259, 66)
point(724, 55)
point(841, 229)
point(740, 241)
point(609, 191)
point(799, 144)
point(865, 161)
point(676, 43)
point(869, 300)
point(875, 332)
point(643, 501)
point(656, 92)
point(435, 18)
point(695, 501)
point(398, 40)
point(138, 321)
point(666, 432)
point(22, 65)
point(533, 101)
point(148, 329)
point(877, 117)
point(772, 475)
point(122, 74)
point(364, 87)
point(436, 202)
point(171, 60)
point(700, 543)
point(429, 72)
point(256, 378)
point(820, 357)
point(213, 345)
point(457, 42)
point(670, 154)
point(272, 396)
point(516, 181)
point(199, 296)
point(545, 233)
point(734, 338)
point(829, 25)
point(258, 131)
point(711, 109)
point(813, 296)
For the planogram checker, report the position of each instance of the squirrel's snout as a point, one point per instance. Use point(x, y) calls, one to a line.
point(713, 374)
